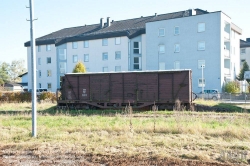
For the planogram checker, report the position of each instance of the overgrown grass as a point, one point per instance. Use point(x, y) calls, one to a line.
point(179, 134)
point(223, 107)
point(26, 106)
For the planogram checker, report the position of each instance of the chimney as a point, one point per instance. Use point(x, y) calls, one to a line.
point(192, 12)
point(101, 23)
point(108, 23)
point(155, 14)
point(248, 39)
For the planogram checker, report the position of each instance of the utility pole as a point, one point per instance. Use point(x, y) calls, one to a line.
point(33, 69)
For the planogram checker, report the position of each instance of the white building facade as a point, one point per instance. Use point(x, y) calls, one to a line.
point(210, 40)
point(181, 40)
point(245, 51)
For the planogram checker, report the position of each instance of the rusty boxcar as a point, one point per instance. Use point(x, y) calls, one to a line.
point(118, 89)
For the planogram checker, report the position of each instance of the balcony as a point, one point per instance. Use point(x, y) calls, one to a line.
point(226, 54)
point(226, 35)
point(227, 72)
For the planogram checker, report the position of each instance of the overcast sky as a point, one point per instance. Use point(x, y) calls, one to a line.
point(54, 15)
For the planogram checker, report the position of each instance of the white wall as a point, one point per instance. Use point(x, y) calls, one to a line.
point(188, 40)
point(245, 56)
point(25, 78)
point(44, 79)
point(95, 52)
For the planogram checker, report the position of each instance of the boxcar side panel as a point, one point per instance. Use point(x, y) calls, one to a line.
point(84, 88)
point(130, 87)
point(165, 87)
point(116, 88)
point(147, 87)
point(181, 88)
point(99, 88)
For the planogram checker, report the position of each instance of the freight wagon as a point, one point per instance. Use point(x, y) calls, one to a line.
point(118, 89)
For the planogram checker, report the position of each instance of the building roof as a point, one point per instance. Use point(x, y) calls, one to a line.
point(244, 44)
point(11, 84)
point(23, 74)
point(130, 28)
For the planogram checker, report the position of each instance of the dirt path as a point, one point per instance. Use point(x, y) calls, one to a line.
point(29, 158)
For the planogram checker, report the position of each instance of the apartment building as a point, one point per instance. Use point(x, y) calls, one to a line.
point(180, 40)
point(193, 41)
point(244, 51)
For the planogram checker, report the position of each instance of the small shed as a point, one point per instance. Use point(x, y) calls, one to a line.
point(15, 87)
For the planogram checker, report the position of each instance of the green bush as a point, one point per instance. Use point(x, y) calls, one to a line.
point(232, 87)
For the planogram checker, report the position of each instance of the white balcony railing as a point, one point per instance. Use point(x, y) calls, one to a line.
point(226, 54)
point(226, 35)
point(227, 72)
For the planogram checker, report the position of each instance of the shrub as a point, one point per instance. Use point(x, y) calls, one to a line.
point(48, 96)
point(232, 87)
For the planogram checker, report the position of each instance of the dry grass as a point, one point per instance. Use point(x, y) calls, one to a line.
point(196, 136)
point(24, 106)
point(206, 102)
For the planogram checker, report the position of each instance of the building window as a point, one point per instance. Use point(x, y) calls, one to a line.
point(105, 69)
point(161, 49)
point(201, 83)
point(49, 86)
point(117, 68)
point(117, 40)
point(75, 58)
point(162, 32)
point(40, 73)
point(201, 46)
point(201, 27)
point(48, 47)
point(39, 61)
point(242, 60)
point(86, 57)
point(48, 60)
point(104, 56)
point(137, 47)
point(49, 74)
point(62, 67)
point(104, 42)
point(137, 63)
point(74, 45)
point(243, 51)
point(39, 85)
point(86, 44)
point(39, 48)
point(118, 55)
point(162, 66)
point(177, 48)
point(176, 30)
point(201, 63)
point(177, 65)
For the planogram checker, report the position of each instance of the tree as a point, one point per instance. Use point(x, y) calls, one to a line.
point(4, 77)
point(245, 67)
point(16, 68)
point(79, 68)
point(232, 87)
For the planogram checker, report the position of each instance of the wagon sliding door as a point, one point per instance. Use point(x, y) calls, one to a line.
point(130, 88)
point(99, 88)
point(147, 84)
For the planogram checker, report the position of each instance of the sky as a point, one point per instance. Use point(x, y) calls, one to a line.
point(54, 15)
